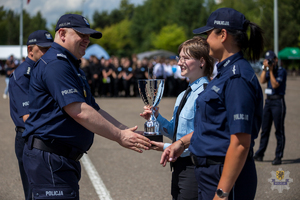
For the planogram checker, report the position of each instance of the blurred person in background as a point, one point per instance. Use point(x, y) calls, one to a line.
point(9, 67)
point(117, 69)
point(127, 75)
point(107, 80)
point(96, 75)
point(85, 66)
point(275, 108)
point(139, 73)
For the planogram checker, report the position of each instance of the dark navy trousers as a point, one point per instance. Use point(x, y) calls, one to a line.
point(19, 146)
point(184, 183)
point(274, 110)
point(51, 176)
point(244, 188)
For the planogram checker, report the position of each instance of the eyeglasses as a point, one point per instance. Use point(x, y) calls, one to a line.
point(183, 59)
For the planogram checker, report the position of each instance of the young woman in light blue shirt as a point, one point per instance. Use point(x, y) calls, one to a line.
point(196, 65)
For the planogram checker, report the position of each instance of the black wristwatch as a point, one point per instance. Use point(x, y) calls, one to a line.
point(221, 194)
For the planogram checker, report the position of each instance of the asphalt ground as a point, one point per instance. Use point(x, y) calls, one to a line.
point(128, 175)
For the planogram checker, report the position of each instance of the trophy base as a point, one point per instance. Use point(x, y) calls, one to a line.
point(156, 138)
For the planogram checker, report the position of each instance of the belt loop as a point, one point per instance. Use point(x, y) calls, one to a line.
point(30, 142)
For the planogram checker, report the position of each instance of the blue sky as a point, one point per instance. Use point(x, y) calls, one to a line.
point(53, 9)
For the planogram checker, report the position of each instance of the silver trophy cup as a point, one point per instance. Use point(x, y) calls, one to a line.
point(151, 91)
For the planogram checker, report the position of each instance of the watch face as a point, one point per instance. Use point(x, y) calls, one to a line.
point(219, 193)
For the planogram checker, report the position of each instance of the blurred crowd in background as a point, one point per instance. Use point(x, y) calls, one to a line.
point(118, 77)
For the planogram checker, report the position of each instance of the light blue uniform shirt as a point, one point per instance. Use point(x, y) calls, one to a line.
point(186, 117)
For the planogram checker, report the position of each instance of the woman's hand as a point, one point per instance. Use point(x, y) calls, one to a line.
point(147, 112)
point(158, 146)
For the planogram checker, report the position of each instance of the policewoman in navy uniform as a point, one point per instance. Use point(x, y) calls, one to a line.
point(64, 115)
point(275, 108)
point(228, 112)
point(38, 43)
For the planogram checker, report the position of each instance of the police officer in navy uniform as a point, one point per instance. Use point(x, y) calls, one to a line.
point(275, 108)
point(228, 113)
point(37, 44)
point(64, 115)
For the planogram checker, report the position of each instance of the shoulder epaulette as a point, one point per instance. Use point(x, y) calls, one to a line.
point(235, 71)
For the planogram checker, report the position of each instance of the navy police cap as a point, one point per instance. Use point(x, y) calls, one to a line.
point(78, 23)
point(40, 38)
point(224, 18)
point(270, 55)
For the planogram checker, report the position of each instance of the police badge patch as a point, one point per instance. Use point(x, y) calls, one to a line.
point(280, 180)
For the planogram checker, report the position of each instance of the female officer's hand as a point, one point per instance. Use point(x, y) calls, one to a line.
point(158, 146)
point(147, 112)
point(171, 153)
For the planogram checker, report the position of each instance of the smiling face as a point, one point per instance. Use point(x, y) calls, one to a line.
point(76, 42)
point(190, 67)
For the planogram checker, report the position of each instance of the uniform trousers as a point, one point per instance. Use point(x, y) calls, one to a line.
point(208, 178)
point(274, 110)
point(51, 176)
point(184, 183)
point(19, 146)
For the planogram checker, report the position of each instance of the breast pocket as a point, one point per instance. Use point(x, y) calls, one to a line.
point(213, 109)
point(187, 121)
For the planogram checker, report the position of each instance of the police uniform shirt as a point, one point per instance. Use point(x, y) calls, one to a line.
point(232, 103)
point(186, 117)
point(280, 76)
point(57, 81)
point(139, 73)
point(18, 91)
point(128, 70)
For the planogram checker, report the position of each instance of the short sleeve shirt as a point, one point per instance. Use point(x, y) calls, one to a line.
point(232, 103)
point(18, 92)
point(280, 76)
point(57, 81)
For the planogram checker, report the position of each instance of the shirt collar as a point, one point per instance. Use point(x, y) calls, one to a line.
point(197, 83)
point(29, 61)
point(66, 52)
point(222, 66)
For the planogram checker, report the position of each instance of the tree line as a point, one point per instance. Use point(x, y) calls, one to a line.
point(163, 24)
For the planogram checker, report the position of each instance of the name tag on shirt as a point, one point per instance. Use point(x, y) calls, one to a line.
point(268, 91)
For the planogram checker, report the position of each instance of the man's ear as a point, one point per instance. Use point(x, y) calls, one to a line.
point(62, 33)
point(29, 51)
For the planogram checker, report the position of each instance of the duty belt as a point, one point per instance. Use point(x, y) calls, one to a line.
point(19, 129)
point(57, 148)
point(211, 160)
point(274, 97)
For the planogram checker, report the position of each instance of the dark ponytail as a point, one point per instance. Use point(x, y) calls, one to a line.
point(252, 47)
point(256, 42)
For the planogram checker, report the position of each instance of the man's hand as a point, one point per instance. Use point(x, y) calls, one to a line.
point(134, 141)
point(171, 153)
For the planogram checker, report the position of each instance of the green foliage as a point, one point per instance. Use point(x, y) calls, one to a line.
point(10, 26)
point(133, 29)
point(116, 39)
point(169, 38)
point(189, 14)
point(148, 19)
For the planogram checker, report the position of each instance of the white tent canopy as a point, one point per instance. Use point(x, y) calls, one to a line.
point(15, 50)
